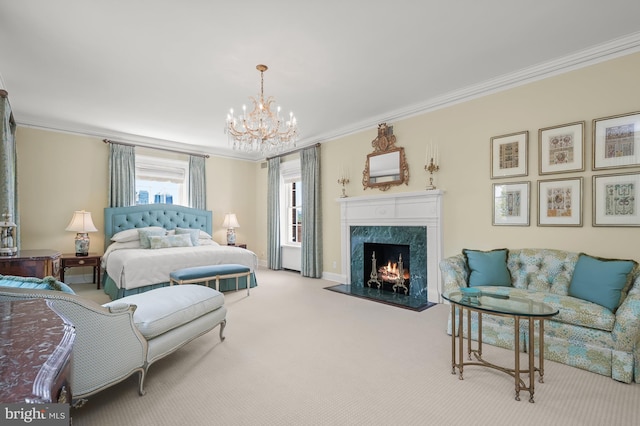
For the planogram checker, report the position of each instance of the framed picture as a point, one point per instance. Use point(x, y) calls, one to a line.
point(561, 148)
point(560, 202)
point(616, 141)
point(511, 204)
point(615, 200)
point(509, 155)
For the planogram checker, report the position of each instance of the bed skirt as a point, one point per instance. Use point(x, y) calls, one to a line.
point(225, 285)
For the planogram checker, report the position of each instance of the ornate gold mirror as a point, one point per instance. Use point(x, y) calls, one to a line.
point(386, 166)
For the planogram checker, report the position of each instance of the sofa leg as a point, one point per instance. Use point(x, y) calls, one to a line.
point(141, 390)
point(223, 324)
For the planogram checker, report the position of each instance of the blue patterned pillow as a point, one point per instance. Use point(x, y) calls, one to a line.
point(487, 267)
point(193, 233)
point(600, 280)
point(158, 242)
point(145, 233)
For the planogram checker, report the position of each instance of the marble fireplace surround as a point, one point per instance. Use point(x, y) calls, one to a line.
point(422, 208)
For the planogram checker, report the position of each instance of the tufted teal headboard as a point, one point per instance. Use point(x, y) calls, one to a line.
point(169, 216)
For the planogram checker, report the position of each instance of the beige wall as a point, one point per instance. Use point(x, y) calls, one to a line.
point(49, 164)
point(463, 133)
point(59, 173)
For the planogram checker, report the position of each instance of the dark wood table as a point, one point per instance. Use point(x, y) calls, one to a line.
point(36, 349)
point(70, 260)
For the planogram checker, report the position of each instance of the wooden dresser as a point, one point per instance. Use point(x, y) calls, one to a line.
point(36, 344)
point(32, 263)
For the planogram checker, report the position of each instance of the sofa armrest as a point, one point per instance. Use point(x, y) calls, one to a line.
point(108, 347)
point(454, 273)
point(626, 330)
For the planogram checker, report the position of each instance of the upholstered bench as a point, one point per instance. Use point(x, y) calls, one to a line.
point(208, 273)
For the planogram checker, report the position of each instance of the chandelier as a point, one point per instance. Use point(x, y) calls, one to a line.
point(261, 130)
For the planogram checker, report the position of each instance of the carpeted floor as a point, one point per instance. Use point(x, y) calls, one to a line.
point(297, 354)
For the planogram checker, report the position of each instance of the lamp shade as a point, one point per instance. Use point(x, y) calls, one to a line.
point(230, 221)
point(81, 222)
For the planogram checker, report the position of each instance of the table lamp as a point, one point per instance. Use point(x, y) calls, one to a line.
point(231, 222)
point(82, 223)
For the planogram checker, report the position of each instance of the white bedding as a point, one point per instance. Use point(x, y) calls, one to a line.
point(130, 266)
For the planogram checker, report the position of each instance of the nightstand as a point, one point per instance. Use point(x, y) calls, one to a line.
point(70, 260)
point(244, 246)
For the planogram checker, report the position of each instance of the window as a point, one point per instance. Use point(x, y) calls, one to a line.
point(161, 180)
point(294, 212)
point(291, 208)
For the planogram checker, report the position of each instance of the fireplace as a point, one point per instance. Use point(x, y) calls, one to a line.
point(410, 219)
point(388, 266)
point(389, 243)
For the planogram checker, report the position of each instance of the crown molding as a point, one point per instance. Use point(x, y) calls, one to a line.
point(601, 53)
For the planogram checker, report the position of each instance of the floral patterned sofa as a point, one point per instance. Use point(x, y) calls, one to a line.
point(584, 334)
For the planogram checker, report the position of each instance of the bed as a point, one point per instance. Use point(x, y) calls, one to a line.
point(145, 243)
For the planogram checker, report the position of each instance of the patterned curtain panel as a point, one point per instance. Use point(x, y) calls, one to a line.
point(8, 168)
point(122, 175)
point(197, 182)
point(311, 213)
point(274, 260)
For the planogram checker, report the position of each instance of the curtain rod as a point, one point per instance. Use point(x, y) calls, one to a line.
point(160, 149)
point(291, 152)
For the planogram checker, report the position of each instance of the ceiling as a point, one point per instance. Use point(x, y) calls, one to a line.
point(165, 73)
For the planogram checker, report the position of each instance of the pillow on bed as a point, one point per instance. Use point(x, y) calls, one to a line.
point(145, 233)
point(158, 242)
point(130, 234)
point(194, 234)
point(205, 236)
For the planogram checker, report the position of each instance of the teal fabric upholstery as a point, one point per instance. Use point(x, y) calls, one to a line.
point(167, 216)
point(46, 283)
point(584, 334)
point(600, 280)
point(208, 271)
point(487, 267)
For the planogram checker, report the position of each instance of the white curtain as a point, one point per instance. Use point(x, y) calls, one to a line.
point(8, 166)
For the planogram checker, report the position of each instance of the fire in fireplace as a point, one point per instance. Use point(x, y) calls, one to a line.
point(387, 266)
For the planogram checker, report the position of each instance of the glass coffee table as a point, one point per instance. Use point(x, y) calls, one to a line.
point(488, 303)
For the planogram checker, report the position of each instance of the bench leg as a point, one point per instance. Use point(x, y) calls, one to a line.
point(223, 324)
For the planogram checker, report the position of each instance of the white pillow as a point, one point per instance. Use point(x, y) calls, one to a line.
point(131, 234)
point(205, 236)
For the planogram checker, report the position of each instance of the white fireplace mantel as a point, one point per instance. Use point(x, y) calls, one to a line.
point(422, 208)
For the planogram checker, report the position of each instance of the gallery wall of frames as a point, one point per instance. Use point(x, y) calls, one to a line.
point(615, 145)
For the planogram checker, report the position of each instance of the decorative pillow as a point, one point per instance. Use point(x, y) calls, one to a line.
point(145, 233)
point(46, 283)
point(193, 233)
point(600, 280)
point(158, 242)
point(487, 267)
point(205, 236)
point(130, 234)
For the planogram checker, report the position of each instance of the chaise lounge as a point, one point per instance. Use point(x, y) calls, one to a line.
point(125, 336)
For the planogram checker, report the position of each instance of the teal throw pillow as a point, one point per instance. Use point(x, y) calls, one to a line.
point(487, 267)
point(194, 234)
point(600, 280)
point(46, 283)
point(145, 233)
